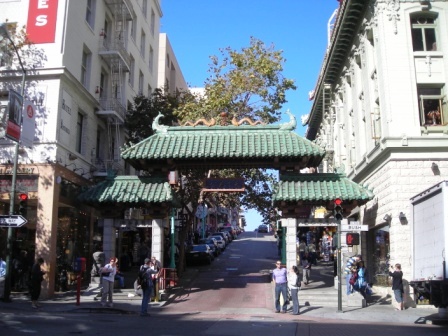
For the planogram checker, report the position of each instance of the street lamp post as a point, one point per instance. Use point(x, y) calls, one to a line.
point(7, 293)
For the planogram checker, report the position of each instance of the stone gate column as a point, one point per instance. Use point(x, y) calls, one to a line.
point(157, 240)
point(109, 238)
point(291, 236)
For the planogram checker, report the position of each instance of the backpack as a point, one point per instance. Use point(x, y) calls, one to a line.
point(353, 278)
point(144, 278)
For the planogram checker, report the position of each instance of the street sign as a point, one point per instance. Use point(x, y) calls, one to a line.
point(12, 221)
point(201, 211)
point(354, 227)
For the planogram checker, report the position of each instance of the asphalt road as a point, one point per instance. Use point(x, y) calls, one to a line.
point(232, 296)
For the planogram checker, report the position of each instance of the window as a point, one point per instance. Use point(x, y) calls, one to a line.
point(141, 79)
point(424, 33)
point(142, 44)
point(153, 22)
point(145, 8)
point(103, 85)
point(131, 72)
point(133, 25)
point(167, 61)
point(90, 13)
point(85, 68)
point(432, 108)
point(99, 141)
point(151, 59)
point(79, 130)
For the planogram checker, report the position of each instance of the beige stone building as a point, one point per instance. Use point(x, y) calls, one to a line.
point(88, 61)
point(381, 114)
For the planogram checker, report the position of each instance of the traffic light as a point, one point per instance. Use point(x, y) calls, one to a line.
point(352, 239)
point(338, 209)
point(23, 204)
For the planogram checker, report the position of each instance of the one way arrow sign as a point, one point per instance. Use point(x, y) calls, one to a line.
point(13, 221)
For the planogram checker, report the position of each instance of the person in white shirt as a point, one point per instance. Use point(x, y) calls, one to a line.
point(108, 272)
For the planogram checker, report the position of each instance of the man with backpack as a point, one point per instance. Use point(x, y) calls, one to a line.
point(145, 283)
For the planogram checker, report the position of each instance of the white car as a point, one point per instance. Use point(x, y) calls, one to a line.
point(221, 241)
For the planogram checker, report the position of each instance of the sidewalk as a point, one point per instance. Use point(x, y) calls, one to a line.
point(126, 302)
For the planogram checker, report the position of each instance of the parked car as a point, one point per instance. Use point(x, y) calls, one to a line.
point(213, 245)
point(223, 235)
point(263, 228)
point(221, 241)
point(200, 253)
point(230, 230)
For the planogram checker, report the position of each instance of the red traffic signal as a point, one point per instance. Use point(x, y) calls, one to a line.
point(352, 239)
point(338, 211)
point(23, 197)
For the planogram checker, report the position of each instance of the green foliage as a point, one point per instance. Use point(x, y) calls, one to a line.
point(142, 112)
point(246, 83)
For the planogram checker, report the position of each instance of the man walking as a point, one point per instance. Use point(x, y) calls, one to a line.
point(279, 275)
point(146, 284)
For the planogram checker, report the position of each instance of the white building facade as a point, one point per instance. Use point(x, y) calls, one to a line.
point(380, 111)
point(88, 60)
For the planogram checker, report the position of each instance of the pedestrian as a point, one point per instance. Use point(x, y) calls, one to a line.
point(2, 268)
point(145, 283)
point(157, 264)
point(279, 245)
point(306, 265)
point(37, 276)
point(108, 272)
point(397, 285)
point(120, 277)
point(312, 253)
point(302, 250)
point(294, 287)
point(279, 276)
point(352, 261)
point(361, 283)
point(99, 260)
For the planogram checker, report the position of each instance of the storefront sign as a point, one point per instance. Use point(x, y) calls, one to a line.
point(66, 118)
point(41, 25)
point(23, 183)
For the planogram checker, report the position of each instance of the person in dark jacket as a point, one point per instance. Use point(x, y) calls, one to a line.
point(37, 275)
point(397, 285)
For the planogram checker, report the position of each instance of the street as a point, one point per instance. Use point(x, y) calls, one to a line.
point(232, 296)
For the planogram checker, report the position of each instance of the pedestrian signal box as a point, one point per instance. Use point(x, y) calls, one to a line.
point(352, 238)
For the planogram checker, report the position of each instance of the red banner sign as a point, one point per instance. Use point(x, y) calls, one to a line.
point(41, 25)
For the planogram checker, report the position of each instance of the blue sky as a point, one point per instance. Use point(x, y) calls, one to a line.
point(197, 29)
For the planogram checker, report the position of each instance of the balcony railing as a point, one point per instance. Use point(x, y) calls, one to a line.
point(112, 107)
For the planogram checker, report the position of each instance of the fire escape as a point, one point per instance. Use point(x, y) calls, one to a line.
point(112, 100)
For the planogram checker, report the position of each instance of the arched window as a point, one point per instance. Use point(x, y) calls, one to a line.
point(424, 37)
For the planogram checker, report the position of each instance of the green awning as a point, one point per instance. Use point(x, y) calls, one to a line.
point(320, 187)
point(128, 189)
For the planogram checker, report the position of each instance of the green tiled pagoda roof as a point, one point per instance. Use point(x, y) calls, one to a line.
point(128, 189)
point(259, 146)
point(320, 188)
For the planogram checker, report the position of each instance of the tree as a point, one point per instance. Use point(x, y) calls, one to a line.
point(144, 109)
point(248, 83)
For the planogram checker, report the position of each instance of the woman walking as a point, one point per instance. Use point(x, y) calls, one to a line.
point(37, 275)
point(294, 286)
point(397, 285)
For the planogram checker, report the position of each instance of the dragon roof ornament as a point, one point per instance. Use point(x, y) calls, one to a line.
point(291, 124)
